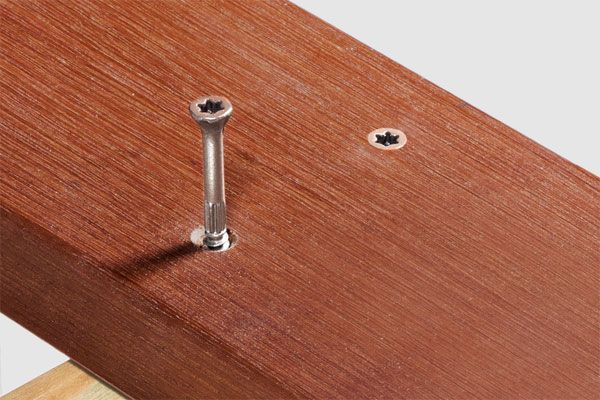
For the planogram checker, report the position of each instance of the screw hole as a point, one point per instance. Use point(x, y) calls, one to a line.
point(197, 238)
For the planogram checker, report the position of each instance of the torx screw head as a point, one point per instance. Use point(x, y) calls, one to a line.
point(387, 139)
point(208, 111)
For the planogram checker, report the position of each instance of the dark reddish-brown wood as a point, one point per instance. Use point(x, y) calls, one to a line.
point(463, 265)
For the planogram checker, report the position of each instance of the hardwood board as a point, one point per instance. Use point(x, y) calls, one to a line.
point(463, 265)
point(65, 382)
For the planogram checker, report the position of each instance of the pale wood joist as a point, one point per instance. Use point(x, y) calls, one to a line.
point(65, 382)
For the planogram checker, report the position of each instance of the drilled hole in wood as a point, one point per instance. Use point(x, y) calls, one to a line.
point(197, 238)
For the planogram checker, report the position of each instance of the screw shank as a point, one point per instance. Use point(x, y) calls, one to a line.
point(215, 220)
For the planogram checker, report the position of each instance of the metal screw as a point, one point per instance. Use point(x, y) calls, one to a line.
point(212, 113)
point(387, 138)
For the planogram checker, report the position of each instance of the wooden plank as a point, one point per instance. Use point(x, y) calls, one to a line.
point(65, 382)
point(463, 265)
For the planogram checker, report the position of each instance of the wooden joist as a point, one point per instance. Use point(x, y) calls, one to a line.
point(464, 265)
point(65, 382)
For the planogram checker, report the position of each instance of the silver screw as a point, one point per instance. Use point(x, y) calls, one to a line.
point(387, 139)
point(212, 113)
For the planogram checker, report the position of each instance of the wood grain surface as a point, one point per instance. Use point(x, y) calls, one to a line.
point(464, 265)
point(65, 382)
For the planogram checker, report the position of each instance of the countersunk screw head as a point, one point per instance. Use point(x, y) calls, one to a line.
point(211, 111)
point(387, 138)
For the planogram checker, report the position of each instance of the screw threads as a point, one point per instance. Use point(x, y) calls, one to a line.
point(215, 219)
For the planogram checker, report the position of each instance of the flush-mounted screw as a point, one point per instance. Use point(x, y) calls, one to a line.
point(212, 113)
point(387, 138)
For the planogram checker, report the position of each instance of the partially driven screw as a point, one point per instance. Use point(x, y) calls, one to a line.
point(212, 113)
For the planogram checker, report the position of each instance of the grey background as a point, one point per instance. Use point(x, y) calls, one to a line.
point(532, 64)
